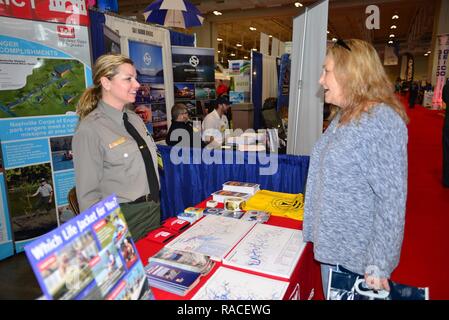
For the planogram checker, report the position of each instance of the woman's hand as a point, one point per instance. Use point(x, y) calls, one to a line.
point(376, 283)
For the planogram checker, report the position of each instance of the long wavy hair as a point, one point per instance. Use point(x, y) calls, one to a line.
point(105, 66)
point(364, 82)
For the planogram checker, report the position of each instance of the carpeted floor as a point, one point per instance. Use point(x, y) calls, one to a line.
point(425, 251)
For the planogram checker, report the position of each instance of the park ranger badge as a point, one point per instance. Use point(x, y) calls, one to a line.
point(117, 142)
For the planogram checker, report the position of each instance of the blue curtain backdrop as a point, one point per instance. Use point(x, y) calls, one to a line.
point(284, 81)
point(181, 39)
point(184, 185)
point(97, 21)
point(256, 90)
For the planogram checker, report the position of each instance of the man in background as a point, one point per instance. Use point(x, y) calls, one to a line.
point(46, 195)
point(216, 122)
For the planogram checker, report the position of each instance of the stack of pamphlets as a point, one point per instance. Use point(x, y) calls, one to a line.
point(222, 195)
point(256, 215)
point(191, 214)
point(172, 279)
point(245, 187)
point(191, 261)
point(223, 213)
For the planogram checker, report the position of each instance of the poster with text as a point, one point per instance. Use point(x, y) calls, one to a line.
point(43, 75)
point(90, 257)
point(150, 100)
point(194, 79)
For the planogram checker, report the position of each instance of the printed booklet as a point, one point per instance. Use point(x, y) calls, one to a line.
point(91, 256)
point(191, 261)
point(245, 187)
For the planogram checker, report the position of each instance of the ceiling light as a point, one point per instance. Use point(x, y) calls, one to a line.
point(395, 17)
point(232, 54)
point(245, 57)
point(238, 45)
point(334, 39)
point(219, 51)
point(252, 29)
point(298, 4)
point(219, 39)
point(426, 54)
point(328, 32)
point(390, 42)
point(391, 35)
point(429, 51)
point(254, 49)
point(393, 27)
point(217, 13)
point(270, 36)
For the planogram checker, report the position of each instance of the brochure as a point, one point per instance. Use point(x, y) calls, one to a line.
point(92, 256)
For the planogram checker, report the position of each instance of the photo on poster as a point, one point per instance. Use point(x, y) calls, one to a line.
point(61, 153)
point(128, 252)
point(66, 273)
point(157, 93)
point(143, 93)
point(108, 269)
point(185, 91)
point(31, 200)
point(144, 111)
point(147, 60)
point(205, 91)
point(191, 107)
point(53, 87)
point(111, 40)
point(159, 131)
point(193, 64)
point(159, 112)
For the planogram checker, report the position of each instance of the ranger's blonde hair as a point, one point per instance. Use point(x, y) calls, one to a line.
point(364, 82)
point(105, 66)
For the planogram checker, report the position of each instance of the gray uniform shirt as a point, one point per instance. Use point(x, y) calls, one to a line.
point(356, 192)
point(107, 159)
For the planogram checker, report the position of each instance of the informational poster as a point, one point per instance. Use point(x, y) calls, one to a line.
point(150, 99)
point(44, 69)
point(194, 78)
point(91, 257)
point(240, 81)
point(284, 83)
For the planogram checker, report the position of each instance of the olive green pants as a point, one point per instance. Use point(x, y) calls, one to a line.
point(141, 218)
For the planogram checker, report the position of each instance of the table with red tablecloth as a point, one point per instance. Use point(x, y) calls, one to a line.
point(305, 282)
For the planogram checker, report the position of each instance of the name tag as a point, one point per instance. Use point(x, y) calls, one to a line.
point(117, 142)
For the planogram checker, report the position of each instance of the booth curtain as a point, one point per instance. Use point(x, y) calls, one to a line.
point(97, 21)
point(256, 88)
point(186, 184)
point(181, 39)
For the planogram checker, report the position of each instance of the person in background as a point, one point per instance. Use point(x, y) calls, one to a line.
point(181, 132)
point(216, 122)
point(107, 157)
point(445, 98)
point(413, 94)
point(357, 181)
point(45, 191)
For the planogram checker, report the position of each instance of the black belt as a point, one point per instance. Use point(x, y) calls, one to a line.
point(145, 198)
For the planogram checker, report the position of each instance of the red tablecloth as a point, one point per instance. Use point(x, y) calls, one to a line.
point(304, 281)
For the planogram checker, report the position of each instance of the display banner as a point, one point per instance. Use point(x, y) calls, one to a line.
point(194, 78)
point(284, 82)
point(441, 73)
point(150, 99)
point(149, 48)
point(43, 75)
point(62, 11)
point(91, 257)
point(239, 70)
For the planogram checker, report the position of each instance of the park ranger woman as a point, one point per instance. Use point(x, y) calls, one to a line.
point(113, 151)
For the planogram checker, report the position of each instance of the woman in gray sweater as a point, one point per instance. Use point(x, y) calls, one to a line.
point(357, 182)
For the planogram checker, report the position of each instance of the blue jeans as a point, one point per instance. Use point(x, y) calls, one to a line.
point(325, 271)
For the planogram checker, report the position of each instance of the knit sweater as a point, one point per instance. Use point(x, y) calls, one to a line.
point(356, 192)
